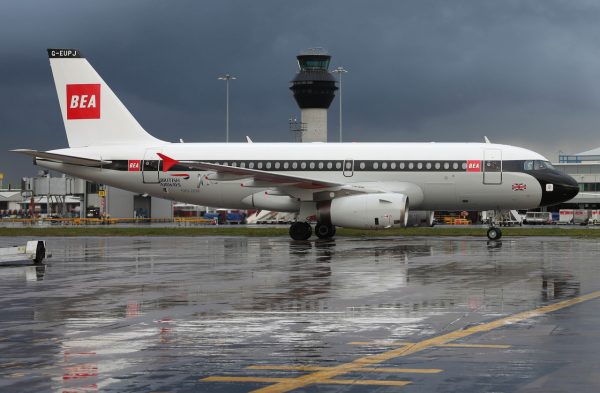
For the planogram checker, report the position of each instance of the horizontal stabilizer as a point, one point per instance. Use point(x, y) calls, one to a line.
point(62, 158)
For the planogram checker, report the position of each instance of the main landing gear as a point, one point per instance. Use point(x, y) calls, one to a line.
point(303, 231)
point(324, 231)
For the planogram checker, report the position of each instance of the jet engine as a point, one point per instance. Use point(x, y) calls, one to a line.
point(420, 218)
point(368, 211)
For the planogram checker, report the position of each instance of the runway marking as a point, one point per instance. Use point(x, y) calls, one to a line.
point(456, 345)
point(363, 369)
point(292, 380)
point(280, 385)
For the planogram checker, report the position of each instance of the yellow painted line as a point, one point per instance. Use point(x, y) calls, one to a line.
point(362, 369)
point(291, 380)
point(322, 376)
point(491, 346)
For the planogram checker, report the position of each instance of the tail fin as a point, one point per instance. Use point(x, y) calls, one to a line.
point(92, 113)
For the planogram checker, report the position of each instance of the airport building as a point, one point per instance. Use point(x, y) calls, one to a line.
point(314, 89)
point(65, 196)
point(584, 167)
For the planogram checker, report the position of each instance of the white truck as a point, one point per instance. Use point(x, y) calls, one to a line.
point(574, 216)
point(538, 218)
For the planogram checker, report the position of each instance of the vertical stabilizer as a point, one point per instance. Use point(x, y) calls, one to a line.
point(92, 113)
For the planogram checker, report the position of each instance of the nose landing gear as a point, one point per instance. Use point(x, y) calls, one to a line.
point(494, 233)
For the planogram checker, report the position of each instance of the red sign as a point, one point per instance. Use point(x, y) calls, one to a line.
point(473, 166)
point(133, 165)
point(83, 101)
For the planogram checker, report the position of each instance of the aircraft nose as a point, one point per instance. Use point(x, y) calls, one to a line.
point(557, 188)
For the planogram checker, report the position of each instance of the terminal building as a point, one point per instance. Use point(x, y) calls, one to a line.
point(584, 167)
point(68, 197)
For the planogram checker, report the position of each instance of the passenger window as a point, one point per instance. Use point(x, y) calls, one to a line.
point(243, 164)
point(259, 165)
point(375, 165)
point(437, 165)
point(428, 165)
point(277, 165)
point(286, 165)
point(446, 165)
point(321, 165)
point(329, 165)
point(338, 165)
point(411, 165)
point(294, 165)
point(362, 165)
point(402, 165)
point(312, 165)
point(420, 165)
point(455, 165)
point(269, 165)
point(393, 165)
point(384, 165)
point(251, 165)
point(303, 165)
point(464, 165)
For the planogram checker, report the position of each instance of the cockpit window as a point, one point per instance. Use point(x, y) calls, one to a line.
point(536, 165)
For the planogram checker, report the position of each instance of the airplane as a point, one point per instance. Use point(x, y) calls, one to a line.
point(353, 185)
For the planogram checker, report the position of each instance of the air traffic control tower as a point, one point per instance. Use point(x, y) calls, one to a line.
point(314, 89)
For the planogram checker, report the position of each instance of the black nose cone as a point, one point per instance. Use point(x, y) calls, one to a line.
point(557, 188)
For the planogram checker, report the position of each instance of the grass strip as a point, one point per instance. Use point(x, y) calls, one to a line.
point(274, 231)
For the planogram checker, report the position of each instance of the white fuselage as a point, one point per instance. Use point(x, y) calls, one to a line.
point(442, 176)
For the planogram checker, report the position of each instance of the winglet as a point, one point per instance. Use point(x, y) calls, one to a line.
point(168, 162)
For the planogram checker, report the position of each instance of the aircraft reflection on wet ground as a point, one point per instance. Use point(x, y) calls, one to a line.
point(237, 314)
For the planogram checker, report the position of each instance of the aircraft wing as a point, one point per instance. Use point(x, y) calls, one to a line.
point(65, 159)
point(262, 177)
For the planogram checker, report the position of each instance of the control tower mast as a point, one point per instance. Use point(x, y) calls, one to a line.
point(314, 89)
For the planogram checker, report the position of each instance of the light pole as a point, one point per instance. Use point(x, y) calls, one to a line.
point(340, 71)
point(227, 78)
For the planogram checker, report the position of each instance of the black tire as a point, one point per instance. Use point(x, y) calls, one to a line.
point(324, 231)
point(300, 231)
point(40, 253)
point(494, 233)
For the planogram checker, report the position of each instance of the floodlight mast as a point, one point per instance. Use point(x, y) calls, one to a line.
point(340, 70)
point(227, 78)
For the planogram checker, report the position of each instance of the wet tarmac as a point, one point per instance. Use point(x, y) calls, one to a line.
point(232, 314)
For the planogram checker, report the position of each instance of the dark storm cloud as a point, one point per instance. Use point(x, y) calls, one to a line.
point(520, 72)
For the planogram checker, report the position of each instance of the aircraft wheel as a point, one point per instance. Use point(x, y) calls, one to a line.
point(494, 233)
point(324, 231)
point(300, 231)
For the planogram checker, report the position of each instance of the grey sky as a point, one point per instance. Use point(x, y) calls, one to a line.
point(521, 72)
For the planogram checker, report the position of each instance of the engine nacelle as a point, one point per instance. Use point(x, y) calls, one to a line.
point(365, 211)
point(266, 201)
point(420, 218)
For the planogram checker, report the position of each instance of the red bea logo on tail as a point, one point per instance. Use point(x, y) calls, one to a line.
point(83, 101)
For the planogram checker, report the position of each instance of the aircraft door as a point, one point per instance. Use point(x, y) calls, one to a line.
point(151, 166)
point(348, 168)
point(492, 166)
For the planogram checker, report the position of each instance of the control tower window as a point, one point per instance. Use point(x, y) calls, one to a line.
point(314, 63)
